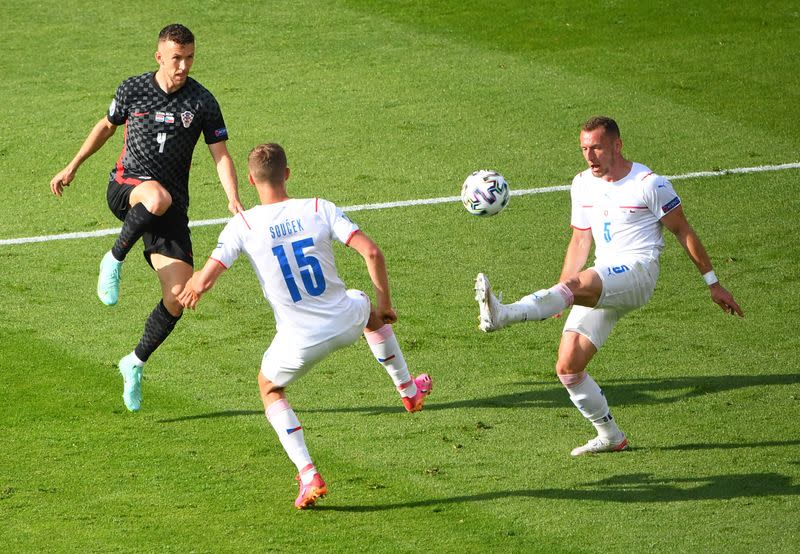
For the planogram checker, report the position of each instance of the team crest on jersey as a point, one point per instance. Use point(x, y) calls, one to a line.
point(186, 119)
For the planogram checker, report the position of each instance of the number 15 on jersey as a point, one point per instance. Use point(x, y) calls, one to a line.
point(308, 266)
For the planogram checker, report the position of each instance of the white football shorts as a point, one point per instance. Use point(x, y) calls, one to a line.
point(625, 288)
point(285, 360)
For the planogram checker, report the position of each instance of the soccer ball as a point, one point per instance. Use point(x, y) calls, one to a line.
point(485, 192)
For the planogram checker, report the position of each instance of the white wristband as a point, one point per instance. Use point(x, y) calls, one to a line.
point(710, 278)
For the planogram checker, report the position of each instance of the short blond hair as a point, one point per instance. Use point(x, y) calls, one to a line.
point(267, 163)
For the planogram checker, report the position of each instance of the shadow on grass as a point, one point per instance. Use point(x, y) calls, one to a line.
point(635, 487)
point(213, 415)
point(722, 445)
point(621, 392)
point(549, 394)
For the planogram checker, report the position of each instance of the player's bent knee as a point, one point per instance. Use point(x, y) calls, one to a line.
point(175, 290)
point(161, 203)
point(172, 305)
point(573, 284)
point(574, 354)
point(572, 365)
point(155, 197)
point(567, 367)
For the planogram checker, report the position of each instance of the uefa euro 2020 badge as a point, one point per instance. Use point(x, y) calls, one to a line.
point(186, 119)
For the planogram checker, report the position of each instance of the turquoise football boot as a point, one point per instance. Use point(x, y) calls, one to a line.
point(108, 281)
point(131, 371)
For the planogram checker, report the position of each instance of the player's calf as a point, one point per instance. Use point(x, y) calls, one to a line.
point(540, 305)
point(384, 346)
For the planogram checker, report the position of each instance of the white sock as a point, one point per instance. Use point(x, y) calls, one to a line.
point(386, 350)
point(290, 433)
point(307, 474)
point(135, 359)
point(607, 428)
point(541, 304)
point(587, 396)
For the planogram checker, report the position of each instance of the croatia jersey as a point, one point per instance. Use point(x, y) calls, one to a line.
point(290, 246)
point(161, 131)
point(624, 215)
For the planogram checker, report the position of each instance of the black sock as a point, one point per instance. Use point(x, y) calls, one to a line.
point(138, 220)
point(157, 328)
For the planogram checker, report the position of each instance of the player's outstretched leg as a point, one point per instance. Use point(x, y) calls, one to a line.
point(384, 346)
point(537, 306)
point(130, 367)
point(108, 280)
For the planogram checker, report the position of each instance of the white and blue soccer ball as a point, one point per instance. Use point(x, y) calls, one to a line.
point(485, 192)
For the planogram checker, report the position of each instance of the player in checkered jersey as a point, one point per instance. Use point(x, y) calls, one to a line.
point(290, 246)
point(622, 207)
point(164, 113)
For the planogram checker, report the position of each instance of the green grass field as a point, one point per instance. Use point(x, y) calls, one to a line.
point(385, 101)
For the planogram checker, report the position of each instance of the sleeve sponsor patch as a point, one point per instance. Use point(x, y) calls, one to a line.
point(221, 133)
point(672, 204)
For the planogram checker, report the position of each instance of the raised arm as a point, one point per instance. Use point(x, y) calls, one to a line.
point(200, 283)
point(376, 265)
point(227, 175)
point(677, 223)
point(100, 133)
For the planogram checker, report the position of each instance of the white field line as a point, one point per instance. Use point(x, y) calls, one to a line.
point(406, 203)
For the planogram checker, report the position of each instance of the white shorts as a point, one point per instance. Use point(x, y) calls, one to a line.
point(286, 360)
point(625, 288)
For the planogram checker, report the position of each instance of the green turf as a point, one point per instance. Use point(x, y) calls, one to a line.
point(381, 101)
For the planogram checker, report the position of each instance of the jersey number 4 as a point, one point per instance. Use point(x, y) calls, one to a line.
point(310, 270)
point(161, 139)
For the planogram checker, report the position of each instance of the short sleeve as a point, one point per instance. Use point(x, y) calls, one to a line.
point(214, 129)
point(229, 244)
point(342, 227)
point(118, 110)
point(659, 196)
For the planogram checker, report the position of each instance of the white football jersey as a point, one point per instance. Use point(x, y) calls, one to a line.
point(624, 215)
point(290, 247)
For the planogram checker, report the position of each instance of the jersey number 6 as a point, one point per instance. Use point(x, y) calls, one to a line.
point(310, 270)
